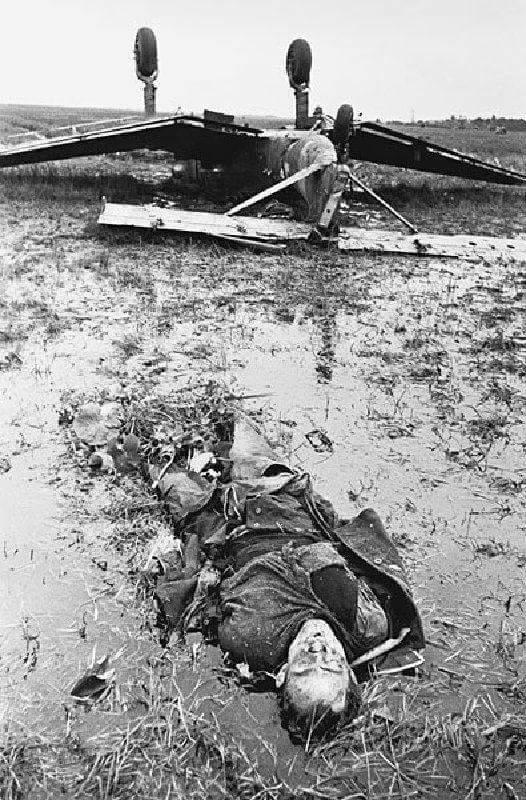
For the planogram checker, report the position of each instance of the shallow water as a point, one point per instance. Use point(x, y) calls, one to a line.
point(395, 361)
point(58, 601)
point(400, 367)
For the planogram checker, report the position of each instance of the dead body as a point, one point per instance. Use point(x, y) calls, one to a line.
point(301, 594)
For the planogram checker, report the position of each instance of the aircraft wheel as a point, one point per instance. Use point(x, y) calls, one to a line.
point(298, 63)
point(146, 52)
point(342, 125)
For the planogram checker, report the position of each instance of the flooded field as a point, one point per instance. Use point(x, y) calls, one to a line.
point(398, 383)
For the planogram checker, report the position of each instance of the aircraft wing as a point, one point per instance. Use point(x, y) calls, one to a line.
point(187, 137)
point(373, 142)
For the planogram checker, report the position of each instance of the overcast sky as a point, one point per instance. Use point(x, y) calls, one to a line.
point(385, 57)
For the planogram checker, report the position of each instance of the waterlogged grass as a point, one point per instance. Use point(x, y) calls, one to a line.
point(178, 749)
point(161, 738)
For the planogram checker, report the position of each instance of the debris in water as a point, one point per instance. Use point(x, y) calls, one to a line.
point(10, 360)
point(101, 461)
point(492, 548)
point(95, 425)
point(97, 680)
point(162, 551)
point(65, 416)
point(5, 465)
point(244, 670)
point(319, 440)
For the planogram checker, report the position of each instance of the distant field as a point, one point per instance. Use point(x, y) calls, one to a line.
point(20, 119)
point(264, 122)
point(483, 142)
point(508, 151)
point(17, 120)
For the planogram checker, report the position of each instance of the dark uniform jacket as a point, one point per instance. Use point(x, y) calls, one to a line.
point(285, 558)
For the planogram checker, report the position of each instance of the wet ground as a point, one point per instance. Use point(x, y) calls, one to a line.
point(398, 383)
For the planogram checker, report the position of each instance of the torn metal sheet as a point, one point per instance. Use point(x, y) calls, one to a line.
point(251, 230)
point(461, 246)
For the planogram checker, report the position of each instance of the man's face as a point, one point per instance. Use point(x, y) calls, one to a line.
point(317, 670)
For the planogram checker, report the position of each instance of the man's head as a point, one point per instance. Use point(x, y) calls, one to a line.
point(319, 689)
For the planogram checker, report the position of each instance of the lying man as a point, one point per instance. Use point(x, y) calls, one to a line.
point(295, 592)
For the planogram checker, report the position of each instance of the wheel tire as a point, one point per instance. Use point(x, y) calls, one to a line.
point(299, 62)
point(342, 125)
point(145, 52)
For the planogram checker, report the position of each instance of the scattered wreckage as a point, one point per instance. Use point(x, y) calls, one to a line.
point(274, 234)
point(314, 157)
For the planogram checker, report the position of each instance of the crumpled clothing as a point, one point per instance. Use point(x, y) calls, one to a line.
point(372, 626)
point(269, 506)
point(265, 604)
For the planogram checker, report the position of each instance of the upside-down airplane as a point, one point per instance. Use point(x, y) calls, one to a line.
point(312, 156)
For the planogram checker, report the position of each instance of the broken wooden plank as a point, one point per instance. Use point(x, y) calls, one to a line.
point(255, 244)
point(461, 246)
point(201, 222)
point(290, 181)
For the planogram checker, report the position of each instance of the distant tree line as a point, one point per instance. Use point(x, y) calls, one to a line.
point(499, 122)
point(493, 123)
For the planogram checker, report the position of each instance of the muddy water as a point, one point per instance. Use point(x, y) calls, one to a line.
point(59, 585)
point(415, 373)
point(397, 384)
point(393, 448)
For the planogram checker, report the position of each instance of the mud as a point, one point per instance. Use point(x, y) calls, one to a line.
point(398, 383)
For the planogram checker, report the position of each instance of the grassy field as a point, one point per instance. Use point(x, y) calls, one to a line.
point(415, 372)
point(21, 119)
point(484, 143)
point(18, 120)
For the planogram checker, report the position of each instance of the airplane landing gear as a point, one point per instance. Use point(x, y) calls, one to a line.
point(298, 65)
point(145, 52)
point(343, 125)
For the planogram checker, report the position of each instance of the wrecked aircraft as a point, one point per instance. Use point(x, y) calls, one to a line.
point(313, 156)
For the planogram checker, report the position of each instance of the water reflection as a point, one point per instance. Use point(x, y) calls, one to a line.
point(325, 355)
